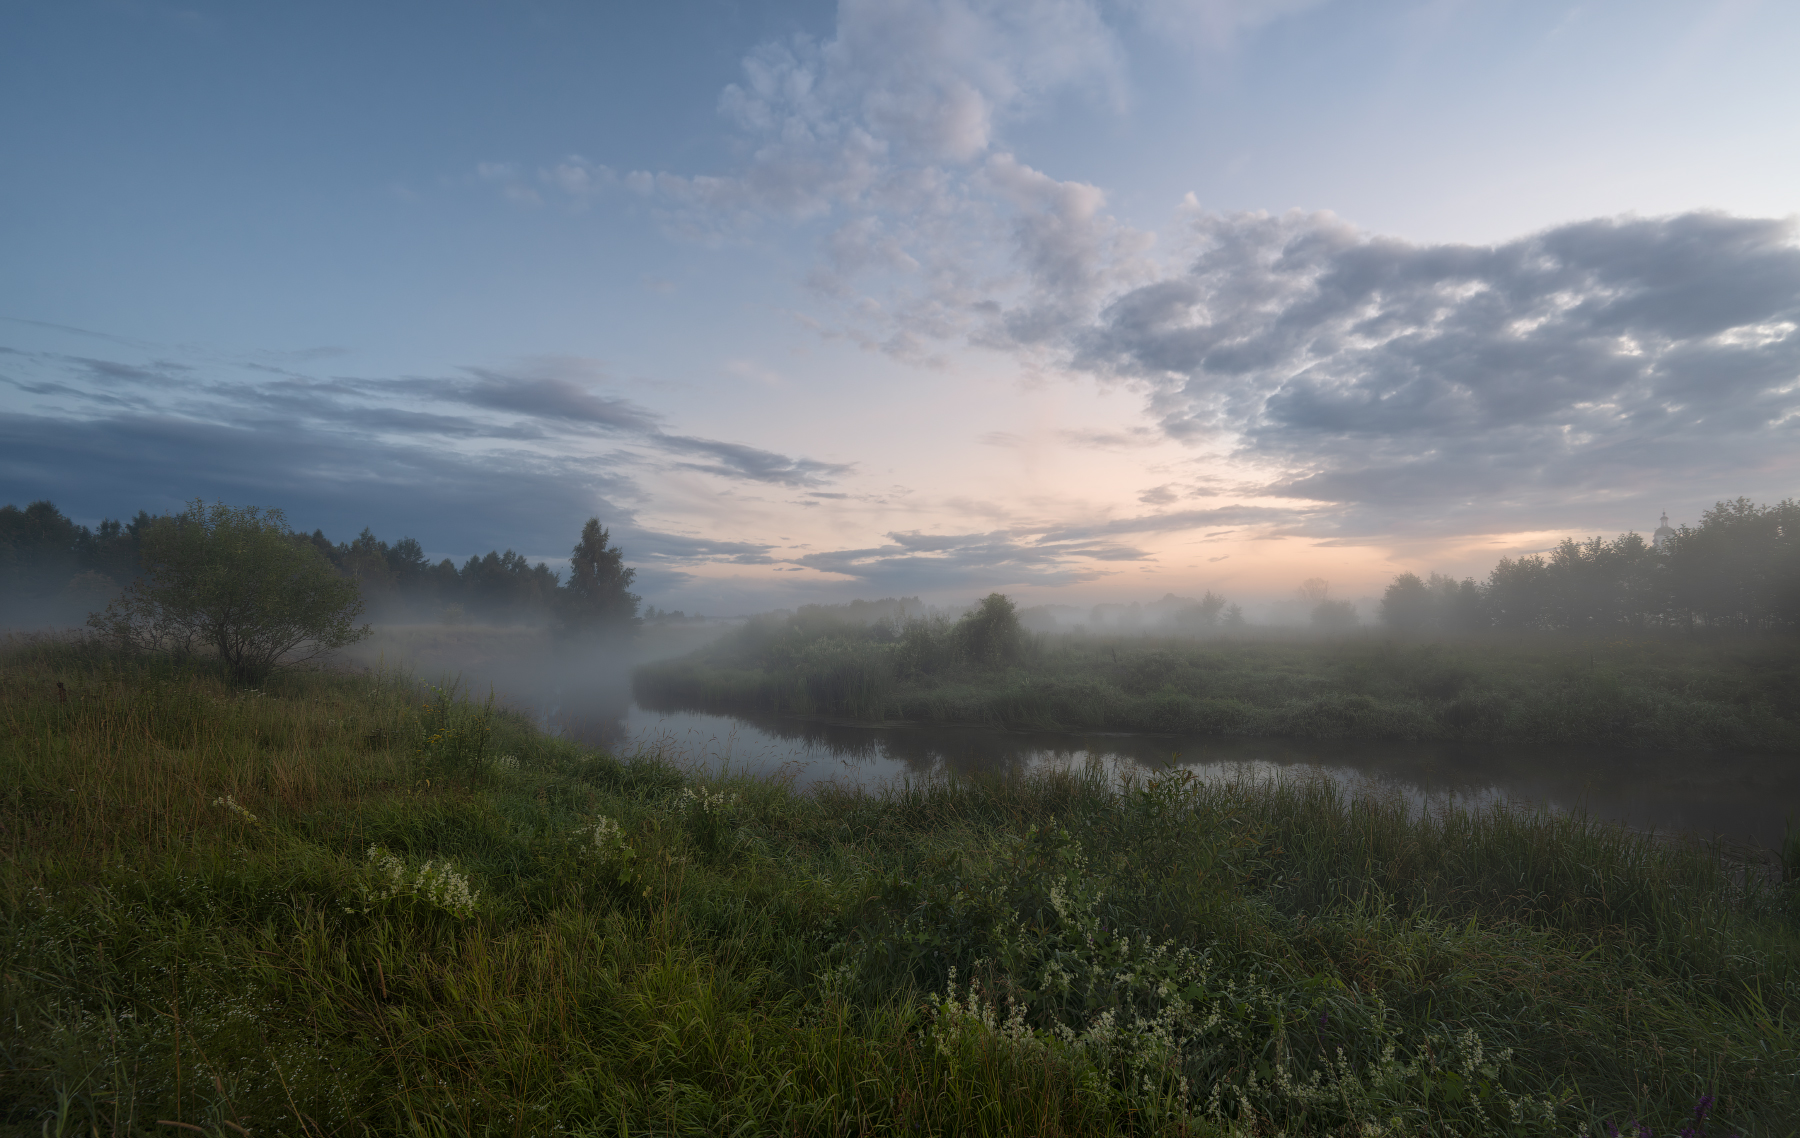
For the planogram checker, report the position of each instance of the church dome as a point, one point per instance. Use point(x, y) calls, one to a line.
point(1662, 531)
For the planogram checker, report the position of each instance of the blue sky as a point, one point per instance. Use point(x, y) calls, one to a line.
point(1081, 301)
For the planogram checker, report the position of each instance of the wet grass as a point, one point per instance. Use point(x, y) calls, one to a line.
point(1649, 692)
point(344, 904)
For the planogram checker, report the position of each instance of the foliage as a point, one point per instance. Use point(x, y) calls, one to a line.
point(1052, 954)
point(1650, 692)
point(234, 580)
point(1739, 568)
point(989, 635)
point(1414, 607)
point(436, 885)
point(1737, 571)
point(598, 597)
point(53, 571)
point(1334, 616)
point(451, 733)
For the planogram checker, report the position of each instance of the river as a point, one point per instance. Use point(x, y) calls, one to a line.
point(1742, 797)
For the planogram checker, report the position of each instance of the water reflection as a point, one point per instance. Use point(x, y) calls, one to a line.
point(1741, 796)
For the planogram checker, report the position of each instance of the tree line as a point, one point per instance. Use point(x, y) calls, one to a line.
point(54, 571)
point(1738, 570)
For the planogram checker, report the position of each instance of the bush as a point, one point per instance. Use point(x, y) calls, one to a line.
point(238, 581)
point(990, 635)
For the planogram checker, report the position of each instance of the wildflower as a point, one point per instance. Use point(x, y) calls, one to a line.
point(230, 803)
point(437, 884)
point(707, 801)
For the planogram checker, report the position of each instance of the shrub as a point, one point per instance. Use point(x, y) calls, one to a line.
point(236, 580)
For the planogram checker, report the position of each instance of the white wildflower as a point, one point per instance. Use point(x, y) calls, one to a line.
point(438, 884)
point(229, 803)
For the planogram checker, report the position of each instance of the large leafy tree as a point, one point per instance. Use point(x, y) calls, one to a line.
point(598, 596)
point(238, 581)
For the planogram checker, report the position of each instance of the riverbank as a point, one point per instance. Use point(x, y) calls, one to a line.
point(343, 904)
point(1643, 693)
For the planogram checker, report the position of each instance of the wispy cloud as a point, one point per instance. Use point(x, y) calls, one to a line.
point(485, 455)
point(735, 460)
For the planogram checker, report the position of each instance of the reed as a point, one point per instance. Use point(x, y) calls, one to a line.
point(353, 904)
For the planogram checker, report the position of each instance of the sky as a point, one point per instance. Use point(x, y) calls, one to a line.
point(1079, 301)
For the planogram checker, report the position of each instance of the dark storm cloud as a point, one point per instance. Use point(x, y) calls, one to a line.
point(1411, 383)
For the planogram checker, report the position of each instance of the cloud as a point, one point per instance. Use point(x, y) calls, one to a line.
point(455, 504)
point(928, 79)
point(1213, 25)
point(886, 134)
point(1125, 439)
point(110, 436)
point(1406, 386)
point(736, 460)
point(1070, 251)
point(1418, 383)
point(920, 562)
point(452, 503)
point(111, 371)
point(1175, 521)
point(549, 398)
point(926, 563)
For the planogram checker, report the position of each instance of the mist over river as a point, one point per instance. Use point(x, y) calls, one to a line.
point(1743, 797)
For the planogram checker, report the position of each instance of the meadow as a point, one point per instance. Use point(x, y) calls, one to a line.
point(349, 903)
point(1646, 691)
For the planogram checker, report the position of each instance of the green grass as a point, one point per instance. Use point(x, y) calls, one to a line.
point(1653, 692)
point(193, 929)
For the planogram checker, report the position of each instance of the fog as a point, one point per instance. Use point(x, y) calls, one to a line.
point(578, 689)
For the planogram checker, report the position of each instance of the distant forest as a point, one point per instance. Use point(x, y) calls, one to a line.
point(53, 571)
point(1738, 570)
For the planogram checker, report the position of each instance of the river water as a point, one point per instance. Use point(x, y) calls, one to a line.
point(1742, 797)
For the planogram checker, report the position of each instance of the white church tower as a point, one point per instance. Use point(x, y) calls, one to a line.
point(1662, 532)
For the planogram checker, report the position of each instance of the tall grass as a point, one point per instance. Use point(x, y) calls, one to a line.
point(348, 904)
point(1649, 692)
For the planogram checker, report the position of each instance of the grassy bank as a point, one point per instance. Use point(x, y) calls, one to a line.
point(1645, 693)
point(344, 905)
